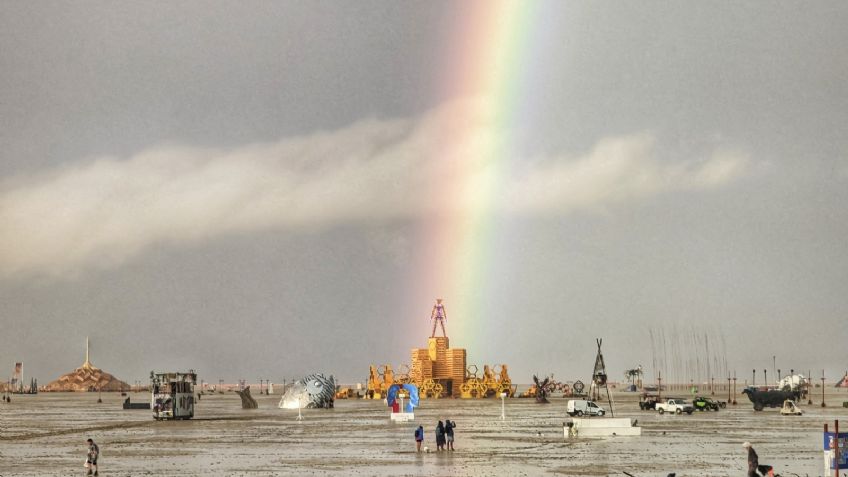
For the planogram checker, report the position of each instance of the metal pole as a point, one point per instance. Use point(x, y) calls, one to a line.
point(734, 387)
point(822, 378)
point(836, 448)
point(754, 377)
point(503, 407)
point(728, 389)
point(810, 387)
point(659, 385)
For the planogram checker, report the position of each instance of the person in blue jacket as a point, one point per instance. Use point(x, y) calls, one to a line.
point(419, 438)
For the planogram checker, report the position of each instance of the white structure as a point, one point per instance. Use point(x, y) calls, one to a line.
point(601, 427)
point(402, 416)
point(793, 382)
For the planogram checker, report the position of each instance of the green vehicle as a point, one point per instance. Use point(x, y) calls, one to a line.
point(702, 403)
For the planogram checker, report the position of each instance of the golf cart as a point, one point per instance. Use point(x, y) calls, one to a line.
point(790, 409)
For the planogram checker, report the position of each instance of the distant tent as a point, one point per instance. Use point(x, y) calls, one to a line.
point(844, 382)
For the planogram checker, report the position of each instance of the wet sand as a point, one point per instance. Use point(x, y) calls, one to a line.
point(45, 435)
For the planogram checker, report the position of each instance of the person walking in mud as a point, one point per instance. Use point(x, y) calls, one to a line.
point(449, 426)
point(754, 467)
point(419, 438)
point(440, 436)
point(91, 457)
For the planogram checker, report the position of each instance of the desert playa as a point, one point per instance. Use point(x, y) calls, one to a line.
point(45, 435)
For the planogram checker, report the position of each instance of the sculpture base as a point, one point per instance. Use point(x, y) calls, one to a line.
point(402, 416)
point(601, 427)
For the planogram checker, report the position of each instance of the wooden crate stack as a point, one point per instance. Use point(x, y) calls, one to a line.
point(439, 362)
point(421, 367)
point(455, 360)
point(440, 365)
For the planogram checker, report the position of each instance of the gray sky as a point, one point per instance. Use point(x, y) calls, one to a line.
point(246, 189)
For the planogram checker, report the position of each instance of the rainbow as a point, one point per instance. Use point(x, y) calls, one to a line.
point(486, 60)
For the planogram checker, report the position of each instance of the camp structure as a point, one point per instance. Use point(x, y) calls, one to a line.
point(172, 394)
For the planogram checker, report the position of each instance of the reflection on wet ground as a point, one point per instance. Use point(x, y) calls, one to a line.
point(45, 435)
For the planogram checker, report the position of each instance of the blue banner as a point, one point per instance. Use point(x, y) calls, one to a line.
point(829, 440)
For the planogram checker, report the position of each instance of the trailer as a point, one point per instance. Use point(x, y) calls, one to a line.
point(769, 397)
point(135, 405)
point(172, 394)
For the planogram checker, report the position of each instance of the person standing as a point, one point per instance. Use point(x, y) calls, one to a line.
point(754, 467)
point(440, 436)
point(91, 458)
point(419, 438)
point(449, 426)
point(753, 460)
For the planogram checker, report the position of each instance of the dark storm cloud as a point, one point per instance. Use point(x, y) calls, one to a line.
point(115, 117)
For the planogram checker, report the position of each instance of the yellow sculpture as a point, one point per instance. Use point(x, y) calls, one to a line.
point(440, 371)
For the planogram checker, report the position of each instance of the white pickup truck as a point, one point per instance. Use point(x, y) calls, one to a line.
point(676, 406)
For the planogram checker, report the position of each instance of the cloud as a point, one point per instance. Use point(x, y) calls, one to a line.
point(103, 212)
point(619, 169)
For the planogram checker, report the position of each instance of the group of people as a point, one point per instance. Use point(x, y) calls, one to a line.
point(444, 441)
point(444, 436)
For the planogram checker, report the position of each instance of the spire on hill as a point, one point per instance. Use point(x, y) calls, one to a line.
point(87, 364)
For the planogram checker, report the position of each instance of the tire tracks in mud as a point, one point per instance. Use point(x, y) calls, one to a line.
point(109, 427)
point(75, 430)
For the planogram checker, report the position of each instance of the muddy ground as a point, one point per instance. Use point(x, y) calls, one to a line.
point(45, 435)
